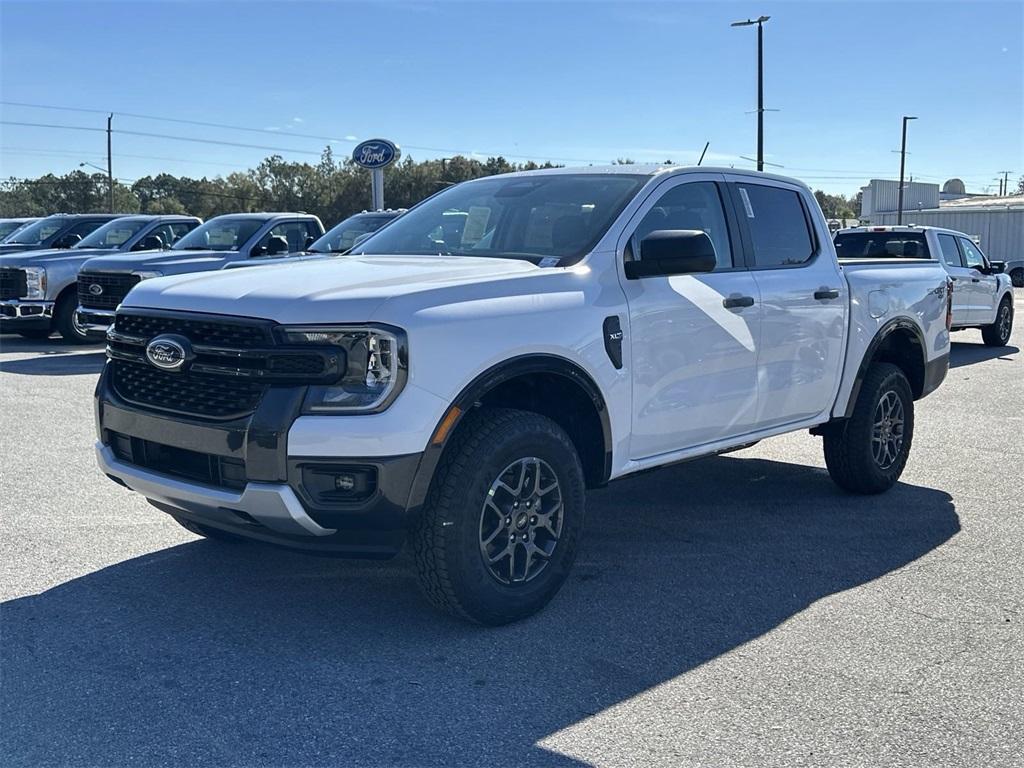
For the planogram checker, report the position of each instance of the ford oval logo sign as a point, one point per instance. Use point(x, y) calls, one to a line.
point(95, 289)
point(376, 153)
point(168, 353)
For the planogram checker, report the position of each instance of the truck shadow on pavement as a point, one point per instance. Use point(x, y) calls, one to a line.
point(239, 654)
point(966, 353)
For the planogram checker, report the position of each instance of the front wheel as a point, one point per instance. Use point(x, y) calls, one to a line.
point(500, 529)
point(867, 452)
point(64, 321)
point(998, 334)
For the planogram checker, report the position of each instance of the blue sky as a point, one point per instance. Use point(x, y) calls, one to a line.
point(570, 82)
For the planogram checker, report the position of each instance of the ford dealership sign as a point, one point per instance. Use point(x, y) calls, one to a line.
point(376, 153)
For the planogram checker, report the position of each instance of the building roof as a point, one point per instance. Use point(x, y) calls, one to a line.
point(988, 202)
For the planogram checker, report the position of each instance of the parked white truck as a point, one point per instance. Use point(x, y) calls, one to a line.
point(982, 292)
point(476, 365)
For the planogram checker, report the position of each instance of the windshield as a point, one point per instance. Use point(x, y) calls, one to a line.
point(221, 234)
point(343, 236)
point(547, 216)
point(113, 234)
point(37, 233)
point(8, 227)
point(882, 245)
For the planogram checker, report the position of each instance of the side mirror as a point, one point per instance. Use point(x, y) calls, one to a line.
point(673, 252)
point(996, 267)
point(68, 241)
point(149, 243)
point(258, 250)
point(309, 241)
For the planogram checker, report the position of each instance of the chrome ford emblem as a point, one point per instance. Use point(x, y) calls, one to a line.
point(376, 153)
point(166, 353)
point(95, 289)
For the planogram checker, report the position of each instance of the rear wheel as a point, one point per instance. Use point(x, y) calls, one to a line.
point(1017, 278)
point(998, 334)
point(64, 321)
point(867, 452)
point(503, 519)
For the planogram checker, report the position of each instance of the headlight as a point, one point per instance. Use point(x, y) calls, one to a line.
point(35, 279)
point(375, 372)
point(146, 275)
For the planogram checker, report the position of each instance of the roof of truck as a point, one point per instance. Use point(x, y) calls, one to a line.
point(647, 169)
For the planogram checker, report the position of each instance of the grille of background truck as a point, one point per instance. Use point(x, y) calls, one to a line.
point(115, 288)
point(12, 283)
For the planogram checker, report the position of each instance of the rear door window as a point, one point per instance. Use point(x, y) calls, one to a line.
point(778, 225)
point(950, 253)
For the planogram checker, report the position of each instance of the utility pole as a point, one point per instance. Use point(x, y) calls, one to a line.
point(1004, 183)
point(110, 167)
point(903, 161)
point(760, 82)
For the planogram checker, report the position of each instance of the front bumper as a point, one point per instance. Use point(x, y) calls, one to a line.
point(23, 315)
point(237, 476)
point(94, 322)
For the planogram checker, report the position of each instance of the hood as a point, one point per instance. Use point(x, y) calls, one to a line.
point(15, 247)
point(52, 256)
point(174, 262)
point(340, 290)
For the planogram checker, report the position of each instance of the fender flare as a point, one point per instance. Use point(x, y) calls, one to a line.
point(896, 324)
point(487, 381)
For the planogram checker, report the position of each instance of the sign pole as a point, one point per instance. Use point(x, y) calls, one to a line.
point(377, 185)
point(375, 155)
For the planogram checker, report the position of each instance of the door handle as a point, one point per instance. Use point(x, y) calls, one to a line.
point(734, 302)
point(975, 279)
point(831, 293)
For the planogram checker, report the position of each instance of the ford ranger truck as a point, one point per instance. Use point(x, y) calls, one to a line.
point(463, 377)
point(232, 239)
point(48, 279)
point(982, 293)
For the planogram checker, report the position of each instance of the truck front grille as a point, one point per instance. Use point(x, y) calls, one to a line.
point(219, 397)
point(104, 290)
point(12, 283)
point(206, 468)
point(230, 364)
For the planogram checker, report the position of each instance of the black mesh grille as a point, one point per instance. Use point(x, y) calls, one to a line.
point(114, 288)
point(310, 365)
point(212, 333)
point(12, 284)
point(207, 468)
point(202, 394)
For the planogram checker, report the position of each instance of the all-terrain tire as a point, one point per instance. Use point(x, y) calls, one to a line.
point(850, 444)
point(998, 334)
point(447, 543)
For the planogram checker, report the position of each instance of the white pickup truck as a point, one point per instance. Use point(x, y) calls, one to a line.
point(475, 366)
point(982, 292)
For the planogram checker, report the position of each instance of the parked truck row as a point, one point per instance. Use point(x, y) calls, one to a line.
point(459, 379)
point(68, 273)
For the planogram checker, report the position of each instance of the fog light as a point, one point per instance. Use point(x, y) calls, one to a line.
point(328, 484)
point(344, 482)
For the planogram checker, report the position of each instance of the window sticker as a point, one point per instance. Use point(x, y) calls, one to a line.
point(549, 261)
point(746, 203)
point(476, 224)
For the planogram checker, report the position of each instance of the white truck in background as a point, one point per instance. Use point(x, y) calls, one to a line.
point(461, 378)
point(982, 292)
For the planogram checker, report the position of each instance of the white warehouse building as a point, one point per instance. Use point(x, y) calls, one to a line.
point(995, 223)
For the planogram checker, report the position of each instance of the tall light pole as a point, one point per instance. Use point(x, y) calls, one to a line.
point(760, 20)
point(903, 160)
point(110, 167)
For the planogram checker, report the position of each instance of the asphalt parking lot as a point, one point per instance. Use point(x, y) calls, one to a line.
point(738, 610)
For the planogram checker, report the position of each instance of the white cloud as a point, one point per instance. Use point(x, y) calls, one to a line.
point(297, 120)
point(350, 137)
